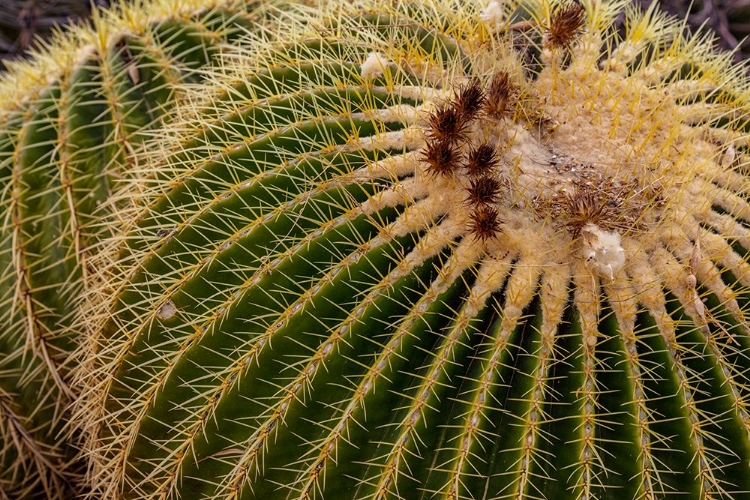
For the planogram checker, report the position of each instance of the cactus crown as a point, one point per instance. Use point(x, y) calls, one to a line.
point(430, 249)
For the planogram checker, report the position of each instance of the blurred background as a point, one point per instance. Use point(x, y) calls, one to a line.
point(729, 19)
point(22, 22)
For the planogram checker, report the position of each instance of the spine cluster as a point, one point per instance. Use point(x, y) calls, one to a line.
point(451, 151)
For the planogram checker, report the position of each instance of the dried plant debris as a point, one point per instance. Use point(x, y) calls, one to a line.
point(565, 26)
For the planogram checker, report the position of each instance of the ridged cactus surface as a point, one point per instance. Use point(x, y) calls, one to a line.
point(71, 122)
point(380, 250)
point(435, 250)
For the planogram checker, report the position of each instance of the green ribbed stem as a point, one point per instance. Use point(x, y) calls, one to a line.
point(280, 331)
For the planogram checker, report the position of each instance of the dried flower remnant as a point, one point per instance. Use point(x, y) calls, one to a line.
point(493, 14)
point(602, 250)
point(501, 95)
point(167, 311)
point(374, 66)
point(565, 26)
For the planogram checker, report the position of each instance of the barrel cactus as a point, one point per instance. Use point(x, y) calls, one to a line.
point(401, 250)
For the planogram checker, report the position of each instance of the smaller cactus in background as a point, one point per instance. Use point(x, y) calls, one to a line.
point(71, 122)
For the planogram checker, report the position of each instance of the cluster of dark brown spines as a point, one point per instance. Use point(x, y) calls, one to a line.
point(442, 156)
point(484, 190)
point(448, 138)
point(566, 24)
point(606, 203)
point(481, 160)
point(485, 222)
point(586, 207)
point(448, 126)
point(470, 99)
point(501, 95)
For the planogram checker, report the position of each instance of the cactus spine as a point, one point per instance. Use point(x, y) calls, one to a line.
point(403, 250)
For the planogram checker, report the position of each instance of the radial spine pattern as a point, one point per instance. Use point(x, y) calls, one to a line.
point(451, 250)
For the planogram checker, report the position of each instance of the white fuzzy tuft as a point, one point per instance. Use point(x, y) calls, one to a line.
point(493, 13)
point(168, 310)
point(603, 250)
point(374, 66)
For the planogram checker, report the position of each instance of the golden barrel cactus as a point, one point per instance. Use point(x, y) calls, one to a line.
point(415, 249)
